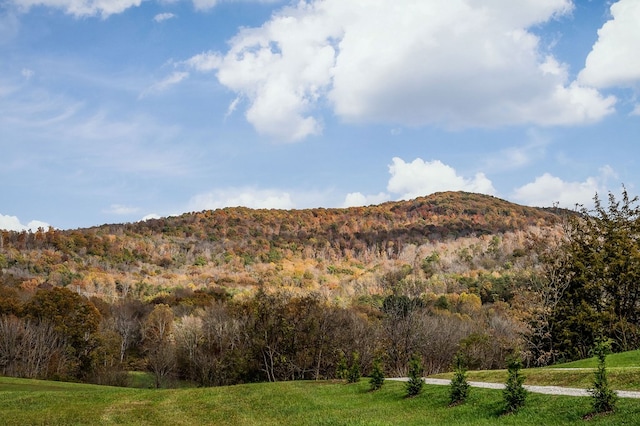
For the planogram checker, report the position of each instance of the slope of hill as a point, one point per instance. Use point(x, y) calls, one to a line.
point(235, 248)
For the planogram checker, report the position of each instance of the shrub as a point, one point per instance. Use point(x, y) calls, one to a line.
point(353, 374)
point(604, 398)
point(415, 383)
point(459, 385)
point(377, 376)
point(342, 368)
point(514, 393)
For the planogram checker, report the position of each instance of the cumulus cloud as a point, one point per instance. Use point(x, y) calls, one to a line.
point(614, 59)
point(547, 190)
point(244, 197)
point(161, 17)
point(357, 199)
point(150, 216)
point(409, 62)
point(12, 223)
point(420, 178)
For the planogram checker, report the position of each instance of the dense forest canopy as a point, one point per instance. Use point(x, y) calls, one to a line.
point(237, 295)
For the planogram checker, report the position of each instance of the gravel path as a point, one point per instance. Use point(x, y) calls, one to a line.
point(548, 390)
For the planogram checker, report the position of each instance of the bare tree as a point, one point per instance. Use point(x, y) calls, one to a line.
point(31, 349)
point(157, 331)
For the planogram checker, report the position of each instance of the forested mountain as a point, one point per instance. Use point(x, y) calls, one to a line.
point(236, 294)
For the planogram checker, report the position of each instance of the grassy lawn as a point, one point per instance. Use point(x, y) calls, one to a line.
point(623, 372)
point(28, 402)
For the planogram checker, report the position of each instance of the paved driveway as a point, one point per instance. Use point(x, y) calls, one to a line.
point(548, 390)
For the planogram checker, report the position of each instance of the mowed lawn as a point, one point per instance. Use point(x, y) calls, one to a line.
point(29, 402)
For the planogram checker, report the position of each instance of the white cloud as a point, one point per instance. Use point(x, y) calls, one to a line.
point(161, 17)
point(409, 62)
point(12, 223)
point(244, 197)
point(121, 210)
point(636, 110)
point(420, 178)
point(203, 62)
point(81, 8)
point(150, 216)
point(547, 190)
point(86, 139)
point(232, 107)
point(175, 78)
point(614, 59)
point(356, 199)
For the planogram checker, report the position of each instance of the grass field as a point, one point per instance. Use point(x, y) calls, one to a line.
point(29, 402)
point(34, 402)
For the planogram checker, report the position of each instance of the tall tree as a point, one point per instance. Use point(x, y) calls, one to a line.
point(74, 317)
point(600, 279)
point(159, 344)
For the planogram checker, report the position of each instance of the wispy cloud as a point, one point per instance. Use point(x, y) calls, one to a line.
point(516, 157)
point(173, 79)
point(161, 17)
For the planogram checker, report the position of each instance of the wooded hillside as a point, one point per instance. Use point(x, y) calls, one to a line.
point(233, 248)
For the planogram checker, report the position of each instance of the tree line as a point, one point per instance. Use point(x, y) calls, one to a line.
point(270, 336)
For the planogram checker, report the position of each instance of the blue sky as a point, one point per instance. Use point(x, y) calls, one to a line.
point(117, 110)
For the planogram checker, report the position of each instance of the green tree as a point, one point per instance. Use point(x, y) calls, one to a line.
point(599, 278)
point(415, 383)
point(377, 376)
point(514, 393)
point(459, 385)
point(604, 398)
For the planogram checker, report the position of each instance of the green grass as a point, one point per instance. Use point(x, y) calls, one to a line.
point(28, 402)
point(623, 372)
point(628, 359)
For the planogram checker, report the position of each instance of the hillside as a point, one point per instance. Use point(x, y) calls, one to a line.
point(237, 248)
